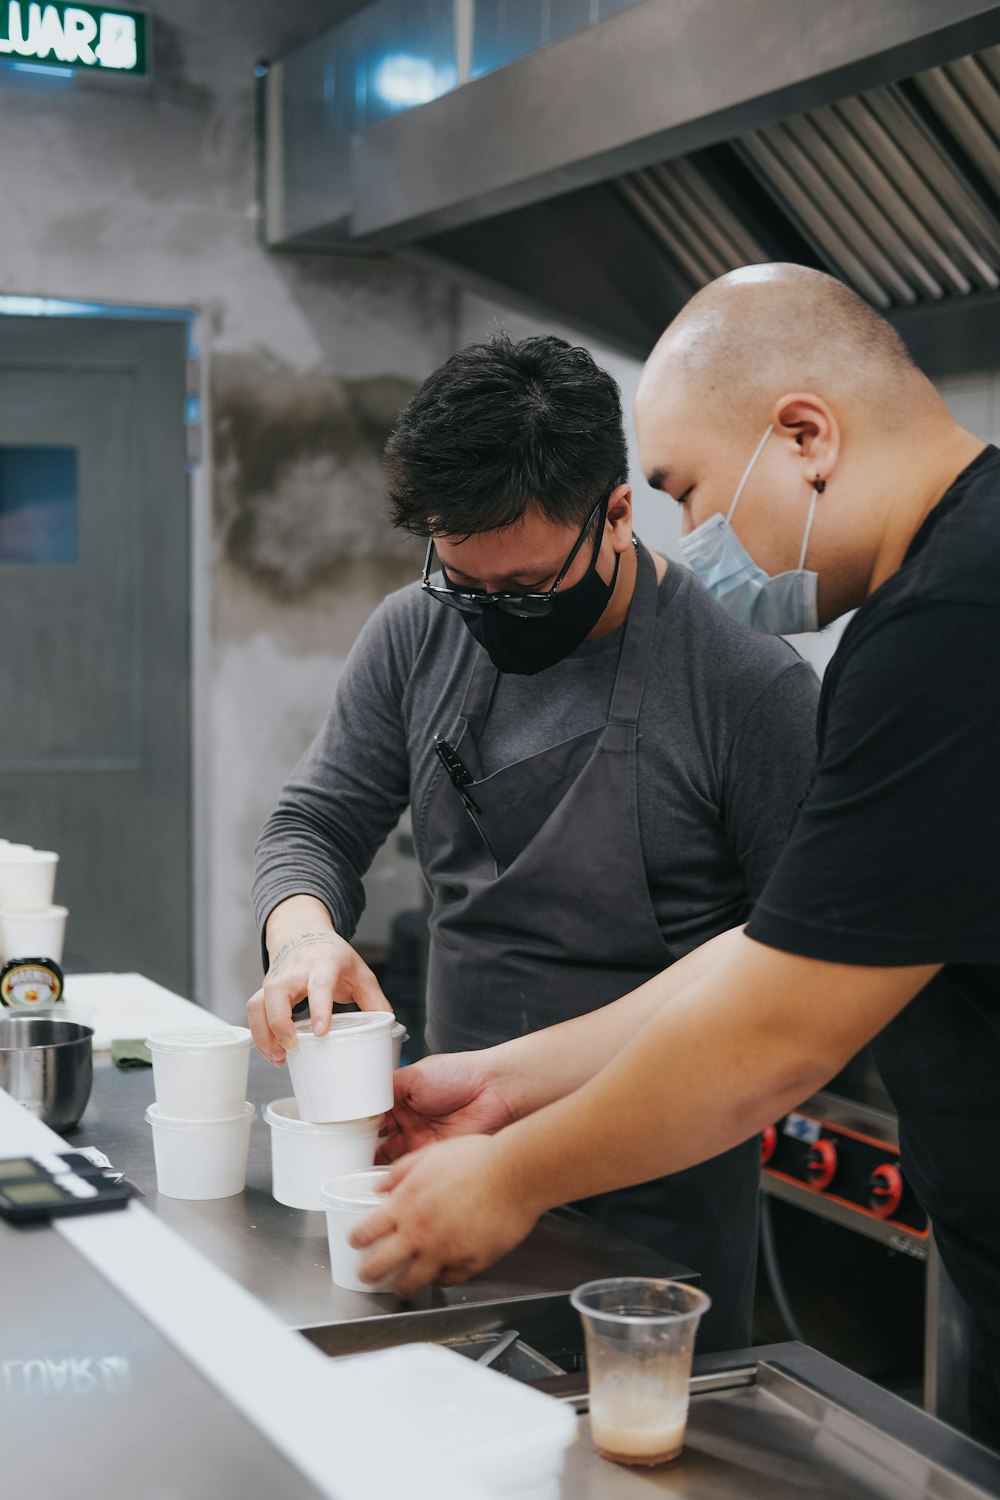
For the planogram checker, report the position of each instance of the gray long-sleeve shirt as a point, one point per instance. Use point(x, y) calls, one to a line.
point(726, 752)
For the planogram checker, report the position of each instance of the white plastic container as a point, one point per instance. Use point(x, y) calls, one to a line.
point(27, 878)
point(200, 1158)
point(347, 1074)
point(347, 1201)
point(399, 1036)
point(498, 1436)
point(200, 1073)
point(304, 1155)
point(33, 934)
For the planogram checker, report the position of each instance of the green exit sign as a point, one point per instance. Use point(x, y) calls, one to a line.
point(73, 36)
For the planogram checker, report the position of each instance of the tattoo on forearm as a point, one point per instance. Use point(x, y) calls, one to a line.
point(302, 941)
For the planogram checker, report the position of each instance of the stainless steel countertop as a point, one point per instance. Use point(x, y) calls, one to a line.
point(782, 1422)
point(94, 1401)
point(280, 1254)
point(766, 1424)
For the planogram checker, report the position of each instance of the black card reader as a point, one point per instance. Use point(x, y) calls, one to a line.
point(49, 1185)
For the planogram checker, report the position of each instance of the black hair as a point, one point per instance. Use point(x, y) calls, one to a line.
point(503, 427)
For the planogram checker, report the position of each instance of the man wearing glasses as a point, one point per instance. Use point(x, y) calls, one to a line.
point(602, 766)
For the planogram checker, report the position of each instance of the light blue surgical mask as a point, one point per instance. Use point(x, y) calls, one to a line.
point(782, 605)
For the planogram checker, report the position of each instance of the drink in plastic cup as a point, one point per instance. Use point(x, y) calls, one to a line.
point(347, 1201)
point(640, 1334)
point(304, 1155)
point(346, 1074)
point(27, 878)
point(200, 1158)
point(200, 1072)
point(33, 934)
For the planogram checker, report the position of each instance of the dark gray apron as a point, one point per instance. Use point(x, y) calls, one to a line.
point(542, 912)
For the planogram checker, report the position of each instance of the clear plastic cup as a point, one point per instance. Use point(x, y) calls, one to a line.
point(640, 1334)
point(200, 1072)
point(27, 878)
point(347, 1201)
point(200, 1159)
point(33, 934)
point(305, 1155)
point(346, 1074)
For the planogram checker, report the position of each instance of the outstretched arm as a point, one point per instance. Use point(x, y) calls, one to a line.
point(464, 1093)
point(734, 1050)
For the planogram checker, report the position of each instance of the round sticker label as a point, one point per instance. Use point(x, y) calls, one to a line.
point(30, 986)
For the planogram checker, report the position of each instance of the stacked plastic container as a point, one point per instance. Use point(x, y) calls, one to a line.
point(201, 1119)
point(30, 925)
point(324, 1140)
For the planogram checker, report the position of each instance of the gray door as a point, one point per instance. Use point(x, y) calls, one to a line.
point(95, 732)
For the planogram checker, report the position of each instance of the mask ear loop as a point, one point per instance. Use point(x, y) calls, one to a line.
point(818, 487)
point(747, 471)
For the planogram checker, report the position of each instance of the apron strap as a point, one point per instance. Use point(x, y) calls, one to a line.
point(633, 660)
point(637, 645)
point(479, 693)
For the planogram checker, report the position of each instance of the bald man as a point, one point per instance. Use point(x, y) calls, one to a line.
point(818, 471)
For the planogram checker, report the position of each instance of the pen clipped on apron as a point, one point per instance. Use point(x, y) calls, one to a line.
point(461, 779)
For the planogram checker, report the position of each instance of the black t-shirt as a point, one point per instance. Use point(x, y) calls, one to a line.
point(894, 858)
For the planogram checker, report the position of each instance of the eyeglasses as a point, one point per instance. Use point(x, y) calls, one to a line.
point(525, 606)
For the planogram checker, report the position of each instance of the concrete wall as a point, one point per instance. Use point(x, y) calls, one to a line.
point(125, 191)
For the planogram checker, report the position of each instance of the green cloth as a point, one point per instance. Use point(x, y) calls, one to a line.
point(130, 1052)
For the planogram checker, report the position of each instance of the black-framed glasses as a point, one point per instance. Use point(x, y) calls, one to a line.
point(525, 606)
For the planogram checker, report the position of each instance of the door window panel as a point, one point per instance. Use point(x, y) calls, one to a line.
point(38, 504)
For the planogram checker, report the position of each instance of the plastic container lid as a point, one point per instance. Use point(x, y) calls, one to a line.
point(353, 1023)
point(154, 1116)
point(283, 1114)
point(492, 1431)
point(197, 1038)
point(29, 914)
point(355, 1189)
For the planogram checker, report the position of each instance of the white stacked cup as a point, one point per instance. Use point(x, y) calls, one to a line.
point(400, 1036)
point(30, 925)
point(329, 1131)
point(305, 1153)
point(347, 1073)
point(201, 1119)
point(347, 1201)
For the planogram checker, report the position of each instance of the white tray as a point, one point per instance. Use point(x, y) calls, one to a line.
point(123, 1006)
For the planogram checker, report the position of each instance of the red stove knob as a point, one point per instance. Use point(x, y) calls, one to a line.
point(885, 1190)
point(768, 1143)
point(821, 1163)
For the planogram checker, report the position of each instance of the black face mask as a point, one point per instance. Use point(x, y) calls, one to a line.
point(524, 647)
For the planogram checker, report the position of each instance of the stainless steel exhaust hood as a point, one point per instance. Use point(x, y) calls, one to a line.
point(605, 176)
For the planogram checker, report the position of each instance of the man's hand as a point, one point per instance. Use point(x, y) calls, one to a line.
point(456, 1093)
point(452, 1210)
point(317, 965)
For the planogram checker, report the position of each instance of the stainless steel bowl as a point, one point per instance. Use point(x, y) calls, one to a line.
point(48, 1066)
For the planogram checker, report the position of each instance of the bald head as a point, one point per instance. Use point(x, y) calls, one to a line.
point(758, 332)
point(788, 365)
